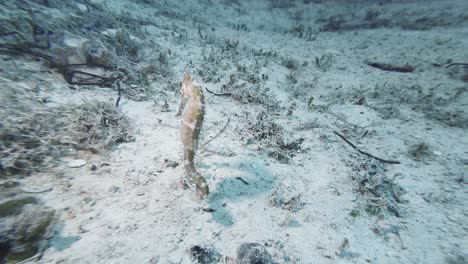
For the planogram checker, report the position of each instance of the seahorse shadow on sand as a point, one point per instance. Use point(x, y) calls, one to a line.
point(250, 180)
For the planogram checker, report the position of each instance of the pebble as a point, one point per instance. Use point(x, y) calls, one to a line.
point(171, 163)
point(76, 163)
point(114, 189)
point(83, 8)
point(437, 153)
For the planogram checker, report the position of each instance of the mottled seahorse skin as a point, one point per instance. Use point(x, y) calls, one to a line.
point(193, 111)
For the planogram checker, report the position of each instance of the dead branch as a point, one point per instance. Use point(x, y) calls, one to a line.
point(390, 67)
point(217, 135)
point(14, 49)
point(364, 152)
point(218, 94)
point(69, 74)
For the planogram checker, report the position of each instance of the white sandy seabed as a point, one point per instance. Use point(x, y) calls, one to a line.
point(133, 210)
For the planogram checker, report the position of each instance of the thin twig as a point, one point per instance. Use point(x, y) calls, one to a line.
point(8, 34)
point(218, 94)
point(456, 63)
point(217, 135)
point(200, 33)
point(119, 94)
point(12, 48)
point(33, 258)
point(75, 65)
point(364, 152)
point(365, 133)
point(82, 64)
point(242, 180)
point(70, 74)
point(34, 192)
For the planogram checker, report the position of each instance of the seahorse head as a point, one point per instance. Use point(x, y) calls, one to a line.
point(189, 88)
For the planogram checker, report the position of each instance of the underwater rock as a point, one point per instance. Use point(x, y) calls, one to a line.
point(98, 55)
point(13, 207)
point(253, 253)
point(23, 224)
point(204, 255)
point(71, 50)
point(27, 236)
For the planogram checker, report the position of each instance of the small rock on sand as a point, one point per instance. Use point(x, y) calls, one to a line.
point(249, 253)
point(76, 163)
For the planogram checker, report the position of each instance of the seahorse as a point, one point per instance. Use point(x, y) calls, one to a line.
point(192, 109)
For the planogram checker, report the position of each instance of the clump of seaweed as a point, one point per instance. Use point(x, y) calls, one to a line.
point(351, 18)
point(33, 135)
point(378, 191)
point(291, 64)
point(455, 72)
point(419, 151)
point(264, 128)
point(246, 88)
point(324, 62)
point(26, 136)
point(270, 136)
point(437, 103)
point(282, 3)
point(95, 125)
